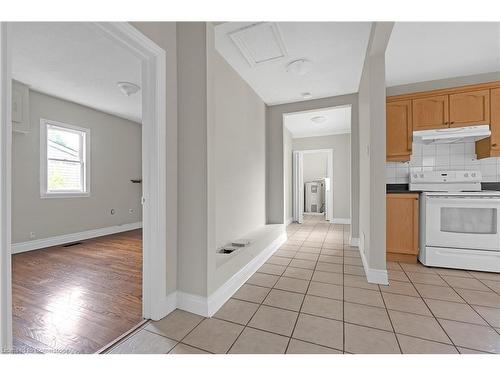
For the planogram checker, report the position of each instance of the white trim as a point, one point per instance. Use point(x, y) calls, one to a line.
point(5, 190)
point(289, 221)
point(341, 220)
point(154, 159)
point(85, 160)
point(374, 276)
point(166, 306)
point(209, 306)
point(354, 241)
point(41, 243)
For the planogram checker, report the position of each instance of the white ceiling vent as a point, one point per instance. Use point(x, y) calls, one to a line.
point(260, 43)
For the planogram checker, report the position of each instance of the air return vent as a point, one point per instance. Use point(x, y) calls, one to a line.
point(260, 43)
point(72, 244)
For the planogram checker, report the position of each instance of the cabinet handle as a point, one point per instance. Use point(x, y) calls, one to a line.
point(452, 122)
point(494, 145)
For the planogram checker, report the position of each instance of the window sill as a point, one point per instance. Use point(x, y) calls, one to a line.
point(65, 195)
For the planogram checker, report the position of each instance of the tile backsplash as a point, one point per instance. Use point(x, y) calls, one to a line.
point(458, 156)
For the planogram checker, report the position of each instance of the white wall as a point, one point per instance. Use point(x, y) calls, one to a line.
point(240, 155)
point(341, 145)
point(115, 159)
point(315, 166)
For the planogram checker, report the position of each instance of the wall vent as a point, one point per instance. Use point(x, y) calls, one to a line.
point(260, 43)
point(72, 244)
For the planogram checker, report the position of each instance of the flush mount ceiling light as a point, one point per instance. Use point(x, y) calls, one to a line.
point(318, 119)
point(299, 67)
point(306, 95)
point(128, 88)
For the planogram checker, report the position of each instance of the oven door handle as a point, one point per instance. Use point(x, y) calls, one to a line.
point(468, 201)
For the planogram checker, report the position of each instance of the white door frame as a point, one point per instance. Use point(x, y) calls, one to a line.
point(298, 184)
point(154, 176)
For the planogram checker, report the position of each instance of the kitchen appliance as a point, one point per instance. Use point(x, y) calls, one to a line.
point(459, 223)
point(452, 135)
point(314, 196)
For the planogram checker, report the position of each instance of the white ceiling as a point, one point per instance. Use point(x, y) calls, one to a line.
point(424, 51)
point(76, 62)
point(336, 51)
point(338, 121)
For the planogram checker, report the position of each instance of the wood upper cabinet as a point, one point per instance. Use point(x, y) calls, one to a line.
point(490, 146)
point(402, 227)
point(430, 112)
point(470, 108)
point(399, 131)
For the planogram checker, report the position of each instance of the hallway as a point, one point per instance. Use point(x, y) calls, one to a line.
point(311, 296)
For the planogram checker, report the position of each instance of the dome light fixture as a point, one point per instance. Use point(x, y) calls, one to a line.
point(299, 67)
point(128, 88)
point(318, 119)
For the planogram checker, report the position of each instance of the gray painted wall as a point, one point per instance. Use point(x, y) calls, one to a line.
point(372, 148)
point(275, 196)
point(192, 156)
point(115, 158)
point(240, 155)
point(442, 83)
point(315, 166)
point(164, 35)
point(288, 173)
point(341, 145)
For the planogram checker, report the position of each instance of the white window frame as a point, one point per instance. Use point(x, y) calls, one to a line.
point(44, 193)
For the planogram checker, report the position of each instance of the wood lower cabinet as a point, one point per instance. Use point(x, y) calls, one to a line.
point(470, 108)
point(402, 227)
point(399, 131)
point(430, 112)
point(490, 146)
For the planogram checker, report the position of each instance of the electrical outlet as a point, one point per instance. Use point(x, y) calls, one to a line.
point(113, 211)
point(32, 235)
point(131, 210)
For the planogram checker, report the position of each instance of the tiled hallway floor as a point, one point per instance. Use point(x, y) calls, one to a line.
point(312, 297)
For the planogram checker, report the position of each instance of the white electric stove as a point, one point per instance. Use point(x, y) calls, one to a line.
point(459, 222)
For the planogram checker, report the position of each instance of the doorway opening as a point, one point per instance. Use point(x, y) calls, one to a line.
point(317, 165)
point(74, 312)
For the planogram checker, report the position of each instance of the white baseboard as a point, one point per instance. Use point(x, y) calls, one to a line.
point(373, 275)
point(209, 306)
point(355, 241)
point(226, 290)
point(341, 220)
point(21, 247)
point(289, 221)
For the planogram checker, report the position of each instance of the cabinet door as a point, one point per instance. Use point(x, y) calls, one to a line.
point(470, 108)
point(399, 130)
point(430, 113)
point(495, 120)
point(402, 224)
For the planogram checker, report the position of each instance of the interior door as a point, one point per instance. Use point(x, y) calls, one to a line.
point(298, 188)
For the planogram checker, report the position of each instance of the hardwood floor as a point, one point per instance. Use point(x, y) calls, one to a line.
point(79, 298)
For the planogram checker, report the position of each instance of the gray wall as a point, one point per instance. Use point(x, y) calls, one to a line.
point(115, 158)
point(443, 83)
point(341, 145)
point(240, 155)
point(288, 173)
point(275, 196)
point(315, 166)
point(164, 35)
point(192, 156)
point(372, 148)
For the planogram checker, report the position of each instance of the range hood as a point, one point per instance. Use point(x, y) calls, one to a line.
point(452, 135)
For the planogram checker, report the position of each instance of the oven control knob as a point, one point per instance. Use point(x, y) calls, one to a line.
point(466, 175)
point(421, 175)
point(473, 175)
point(415, 175)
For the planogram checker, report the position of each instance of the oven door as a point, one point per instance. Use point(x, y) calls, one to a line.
point(463, 222)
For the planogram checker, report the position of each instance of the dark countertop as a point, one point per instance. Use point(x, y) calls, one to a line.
point(404, 188)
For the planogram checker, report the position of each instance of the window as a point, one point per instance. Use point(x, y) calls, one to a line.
point(64, 156)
